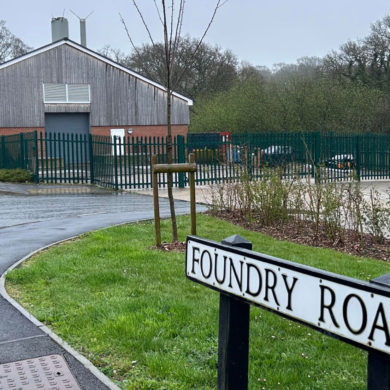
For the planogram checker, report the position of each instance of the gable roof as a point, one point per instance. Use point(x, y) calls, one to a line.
point(94, 54)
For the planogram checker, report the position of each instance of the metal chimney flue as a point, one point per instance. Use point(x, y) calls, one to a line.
point(59, 29)
point(83, 29)
point(83, 33)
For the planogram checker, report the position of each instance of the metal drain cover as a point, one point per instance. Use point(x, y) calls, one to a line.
point(44, 373)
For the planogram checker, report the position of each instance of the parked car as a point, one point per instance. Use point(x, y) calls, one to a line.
point(341, 161)
point(276, 155)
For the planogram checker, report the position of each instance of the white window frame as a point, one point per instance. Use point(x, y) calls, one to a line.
point(67, 95)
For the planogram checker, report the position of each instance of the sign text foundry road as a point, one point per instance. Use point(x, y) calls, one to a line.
point(352, 309)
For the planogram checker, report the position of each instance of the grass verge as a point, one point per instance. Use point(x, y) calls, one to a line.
point(130, 310)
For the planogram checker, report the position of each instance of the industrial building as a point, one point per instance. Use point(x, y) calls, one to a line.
point(64, 87)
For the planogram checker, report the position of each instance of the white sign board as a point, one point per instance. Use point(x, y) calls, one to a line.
point(351, 309)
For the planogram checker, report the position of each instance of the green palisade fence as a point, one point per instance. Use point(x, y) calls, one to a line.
point(19, 151)
point(63, 158)
point(125, 163)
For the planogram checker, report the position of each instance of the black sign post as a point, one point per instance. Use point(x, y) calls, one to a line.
point(233, 341)
point(352, 310)
point(378, 364)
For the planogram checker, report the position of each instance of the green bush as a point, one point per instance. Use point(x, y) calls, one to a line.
point(297, 103)
point(15, 175)
point(333, 208)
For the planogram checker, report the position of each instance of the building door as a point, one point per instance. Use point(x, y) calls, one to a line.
point(73, 123)
point(67, 136)
point(120, 137)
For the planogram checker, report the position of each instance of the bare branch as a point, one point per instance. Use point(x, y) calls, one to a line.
point(223, 3)
point(129, 36)
point(166, 45)
point(179, 24)
point(158, 11)
point(171, 30)
point(143, 21)
point(177, 33)
point(172, 37)
point(219, 4)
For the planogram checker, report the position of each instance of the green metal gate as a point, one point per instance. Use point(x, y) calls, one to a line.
point(125, 163)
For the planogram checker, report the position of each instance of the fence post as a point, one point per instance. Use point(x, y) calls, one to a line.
point(316, 157)
point(115, 165)
point(191, 160)
point(357, 157)
point(233, 347)
point(181, 158)
point(378, 365)
point(21, 146)
point(249, 158)
point(3, 152)
point(36, 158)
point(90, 152)
point(156, 204)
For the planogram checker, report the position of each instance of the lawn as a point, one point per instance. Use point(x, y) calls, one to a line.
point(130, 310)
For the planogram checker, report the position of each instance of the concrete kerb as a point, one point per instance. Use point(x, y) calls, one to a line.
point(51, 189)
point(3, 292)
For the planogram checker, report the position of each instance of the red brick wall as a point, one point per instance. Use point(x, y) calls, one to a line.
point(12, 130)
point(138, 131)
point(142, 131)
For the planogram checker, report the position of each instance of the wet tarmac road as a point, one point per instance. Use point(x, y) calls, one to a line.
point(30, 222)
point(20, 209)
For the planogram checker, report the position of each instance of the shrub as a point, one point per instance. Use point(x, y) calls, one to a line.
point(376, 216)
point(331, 208)
point(15, 175)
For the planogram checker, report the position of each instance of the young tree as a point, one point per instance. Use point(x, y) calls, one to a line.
point(209, 71)
point(171, 14)
point(10, 45)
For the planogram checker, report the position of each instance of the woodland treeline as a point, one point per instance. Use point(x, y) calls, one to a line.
point(346, 91)
point(10, 45)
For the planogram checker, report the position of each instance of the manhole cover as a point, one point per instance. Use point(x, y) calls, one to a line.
point(44, 373)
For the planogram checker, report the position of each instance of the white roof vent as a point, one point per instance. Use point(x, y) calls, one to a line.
point(78, 93)
point(54, 93)
point(66, 93)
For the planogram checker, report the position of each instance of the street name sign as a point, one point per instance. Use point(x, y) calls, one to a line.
point(353, 310)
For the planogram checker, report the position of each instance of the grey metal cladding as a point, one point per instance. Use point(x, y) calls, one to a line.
point(21, 96)
point(117, 98)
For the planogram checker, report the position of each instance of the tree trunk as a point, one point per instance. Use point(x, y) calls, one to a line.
point(170, 161)
point(172, 37)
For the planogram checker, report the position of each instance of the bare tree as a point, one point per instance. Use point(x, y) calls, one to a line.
point(171, 16)
point(210, 71)
point(10, 45)
point(365, 61)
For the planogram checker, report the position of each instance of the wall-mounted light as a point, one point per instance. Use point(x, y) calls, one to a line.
point(129, 130)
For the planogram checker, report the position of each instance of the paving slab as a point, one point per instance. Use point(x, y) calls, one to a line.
point(30, 222)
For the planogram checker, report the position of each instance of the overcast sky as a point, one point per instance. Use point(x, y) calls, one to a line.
point(262, 32)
